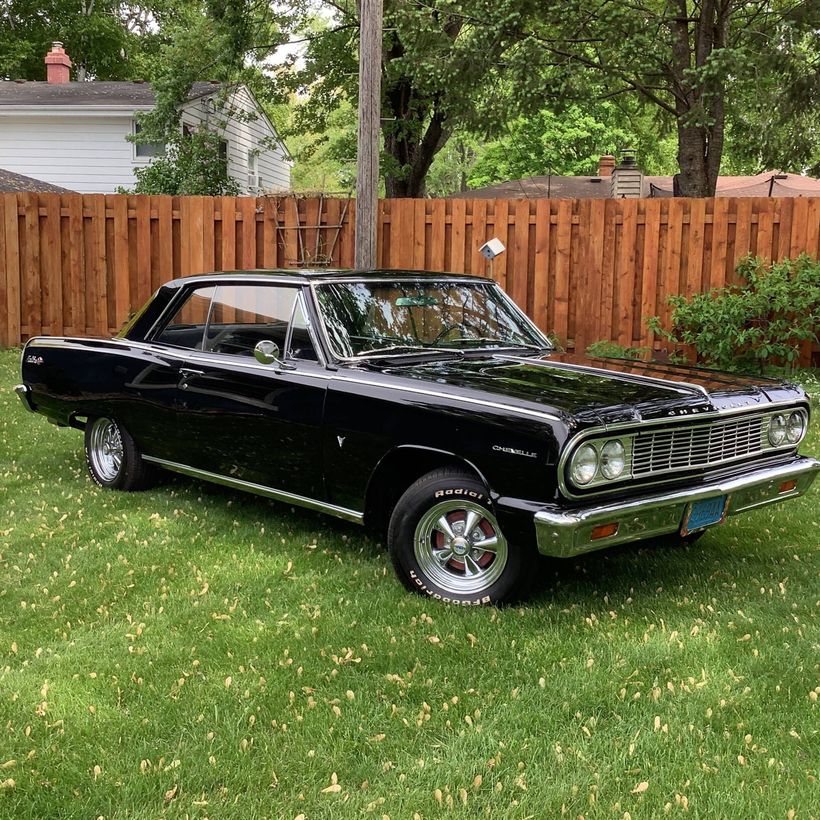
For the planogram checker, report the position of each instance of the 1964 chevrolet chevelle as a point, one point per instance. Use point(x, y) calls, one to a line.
point(427, 405)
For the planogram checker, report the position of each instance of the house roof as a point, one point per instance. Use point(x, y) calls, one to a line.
point(119, 94)
point(768, 183)
point(10, 182)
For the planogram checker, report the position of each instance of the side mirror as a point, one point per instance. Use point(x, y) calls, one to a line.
point(266, 352)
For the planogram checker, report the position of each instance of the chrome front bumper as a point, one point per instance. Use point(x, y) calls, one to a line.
point(564, 533)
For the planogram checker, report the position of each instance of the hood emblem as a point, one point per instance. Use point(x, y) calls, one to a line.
point(341, 440)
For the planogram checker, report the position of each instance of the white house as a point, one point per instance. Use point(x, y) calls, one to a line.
point(75, 134)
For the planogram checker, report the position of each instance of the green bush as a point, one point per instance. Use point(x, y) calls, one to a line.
point(192, 165)
point(754, 325)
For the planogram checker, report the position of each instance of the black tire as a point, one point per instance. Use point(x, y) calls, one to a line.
point(112, 457)
point(454, 567)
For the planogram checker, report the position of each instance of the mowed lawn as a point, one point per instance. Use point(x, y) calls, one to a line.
point(194, 652)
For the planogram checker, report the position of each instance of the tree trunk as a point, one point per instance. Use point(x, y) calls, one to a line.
point(699, 103)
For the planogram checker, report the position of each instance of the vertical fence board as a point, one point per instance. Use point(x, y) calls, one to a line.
point(765, 229)
point(541, 265)
point(501, 230)
point(142, 216)
point(121, 281)
point(799, 228)
point(717, 271)
point(477, 262)
point(31, 306)
point(11, 265)
point(563, 251)
point(625, 272)
point(50, 259)
point(165, 239)
point(813, 228)
point(228, 217)
point(649, 273)
point(75, 276)
point(784, 234)
point(518, 273)
point(458, 238)
point(291, 233)
point(438, 215)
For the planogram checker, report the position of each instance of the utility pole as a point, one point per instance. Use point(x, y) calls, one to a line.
point(367, 166)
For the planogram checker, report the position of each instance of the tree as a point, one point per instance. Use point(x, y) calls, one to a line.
point(689, 58)
point(96, 34)
point(448, 65)
point(571, 143)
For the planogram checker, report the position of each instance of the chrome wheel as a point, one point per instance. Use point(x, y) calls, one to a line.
point(105, 449)
point(459, 547)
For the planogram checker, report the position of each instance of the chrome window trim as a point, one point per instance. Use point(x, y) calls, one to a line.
point(605, 432)
point(260, 489)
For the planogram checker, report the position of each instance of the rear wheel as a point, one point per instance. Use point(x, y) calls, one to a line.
point(445, 541)
point(113, 459)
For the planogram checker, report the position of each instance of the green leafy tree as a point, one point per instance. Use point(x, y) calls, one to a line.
point(100, 36)
point(571, 143)
point(449, 66)
point(193, 164)
point(690, 58)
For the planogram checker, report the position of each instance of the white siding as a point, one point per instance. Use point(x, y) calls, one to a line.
point(90, 153)
point(273, 165)
point(84, 153)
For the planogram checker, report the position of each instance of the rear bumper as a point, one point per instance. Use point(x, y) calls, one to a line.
point(564, 533)
point(25, 396)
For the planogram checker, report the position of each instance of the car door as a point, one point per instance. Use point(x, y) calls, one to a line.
point(248, 421)
point(149, 374)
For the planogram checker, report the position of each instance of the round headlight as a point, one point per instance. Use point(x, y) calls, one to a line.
point(794, 427)
point(777, 430)
point(613, 459)
point(584, 465)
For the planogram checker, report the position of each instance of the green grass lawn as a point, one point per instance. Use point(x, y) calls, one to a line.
point(195, 652)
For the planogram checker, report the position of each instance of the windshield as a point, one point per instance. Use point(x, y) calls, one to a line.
point(383, 318)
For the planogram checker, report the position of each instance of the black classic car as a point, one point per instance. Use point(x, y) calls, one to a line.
point(426, 405)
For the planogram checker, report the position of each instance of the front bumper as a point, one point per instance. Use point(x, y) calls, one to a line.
point(564, 533)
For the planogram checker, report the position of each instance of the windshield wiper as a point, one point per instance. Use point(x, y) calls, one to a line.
point(503, 344)
point(407, 350)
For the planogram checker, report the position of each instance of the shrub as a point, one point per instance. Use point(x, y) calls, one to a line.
point(193, 164)
point(759, 323)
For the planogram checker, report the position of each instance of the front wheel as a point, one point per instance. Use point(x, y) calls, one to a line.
point(112, 457)
point(445, 541)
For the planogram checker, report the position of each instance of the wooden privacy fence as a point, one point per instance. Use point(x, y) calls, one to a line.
point(584, 269)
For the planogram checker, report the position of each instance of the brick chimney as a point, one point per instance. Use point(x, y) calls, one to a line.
point(606, 165)
point(58, 64)
point(627, 177)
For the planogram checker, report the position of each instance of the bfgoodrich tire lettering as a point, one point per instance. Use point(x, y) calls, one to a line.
point(112, 457)
point(445, 542)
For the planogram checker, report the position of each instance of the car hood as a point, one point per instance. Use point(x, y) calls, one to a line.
point(599, 390)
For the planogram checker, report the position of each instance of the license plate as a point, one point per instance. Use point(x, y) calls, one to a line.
point(704, 513)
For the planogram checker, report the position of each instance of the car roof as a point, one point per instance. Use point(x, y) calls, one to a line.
point(304, 276)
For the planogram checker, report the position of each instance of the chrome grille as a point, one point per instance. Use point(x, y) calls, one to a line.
point(697, 445)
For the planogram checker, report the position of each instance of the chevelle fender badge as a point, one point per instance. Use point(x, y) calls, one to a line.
point(513, 452)
point(32, 359)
